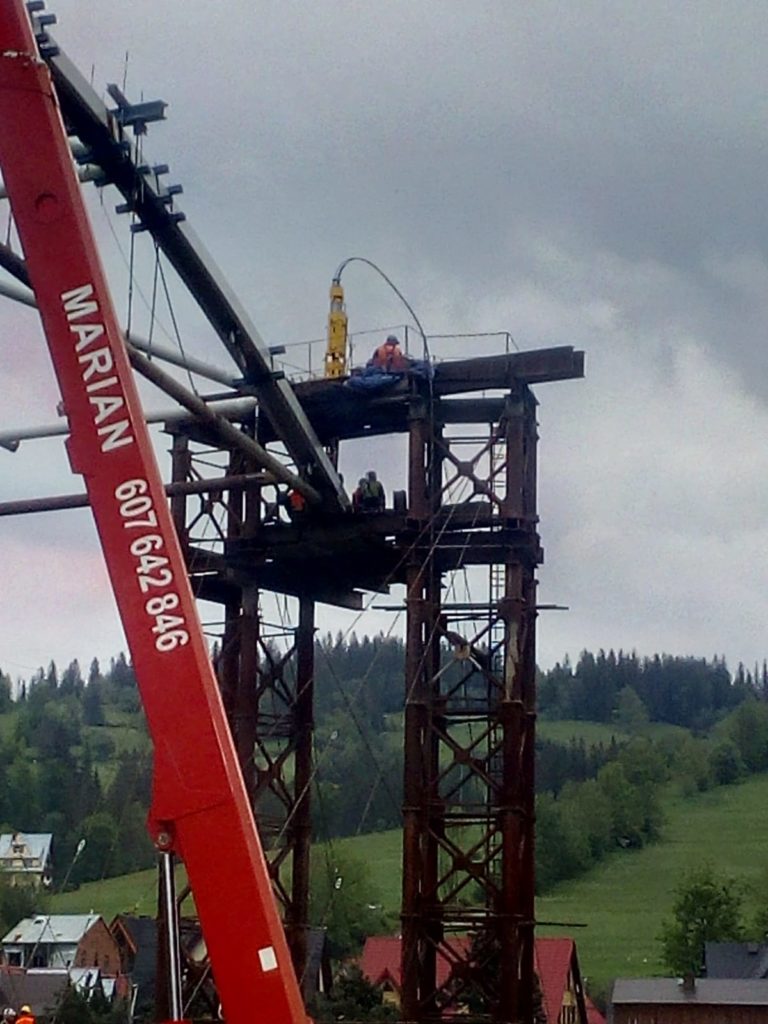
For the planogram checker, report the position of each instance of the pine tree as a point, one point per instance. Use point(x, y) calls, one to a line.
point(71, 679)
point(93, 709)
point(94, 672)
point(52, 677)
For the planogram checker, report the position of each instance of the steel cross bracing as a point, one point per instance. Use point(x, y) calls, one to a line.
point(103, 135)
point(468, 883)
point(267, 689)
point(472, 495)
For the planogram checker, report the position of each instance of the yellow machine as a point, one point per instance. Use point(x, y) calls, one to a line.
point(336, 352)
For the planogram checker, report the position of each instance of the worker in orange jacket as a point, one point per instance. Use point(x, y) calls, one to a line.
point(25, 1016)
point(297, 503)
point(389, 357)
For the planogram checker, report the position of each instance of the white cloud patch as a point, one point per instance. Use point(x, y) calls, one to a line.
point(56, 604)
point(654, 513)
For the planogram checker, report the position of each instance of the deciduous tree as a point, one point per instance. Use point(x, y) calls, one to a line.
point(707, 908)
point(631, 713)
point(344, 900)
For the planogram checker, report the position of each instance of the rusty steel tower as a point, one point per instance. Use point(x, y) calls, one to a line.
point(469, 674)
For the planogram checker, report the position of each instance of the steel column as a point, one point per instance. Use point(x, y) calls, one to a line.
point(468, 881)
point(299, 824)
point(180, 463)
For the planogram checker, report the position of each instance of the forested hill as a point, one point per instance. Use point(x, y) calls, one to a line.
point(691, 692)
point(75, 759)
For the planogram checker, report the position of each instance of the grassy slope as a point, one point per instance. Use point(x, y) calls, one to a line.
point(560, 732)
point(128, 894)
point(622, 901)
point(599, 732)
point(134, 894)
point(137, 893)
point(565, 731)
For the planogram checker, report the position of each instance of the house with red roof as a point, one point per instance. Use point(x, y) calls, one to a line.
point(593, 1014)
point(556, 964)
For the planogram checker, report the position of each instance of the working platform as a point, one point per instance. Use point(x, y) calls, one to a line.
point(338, 412)
point(333, 557)
point(333, 560)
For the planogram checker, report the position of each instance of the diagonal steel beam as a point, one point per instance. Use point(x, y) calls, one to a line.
point(218, 424)
point(229, 434)
point(107, 145)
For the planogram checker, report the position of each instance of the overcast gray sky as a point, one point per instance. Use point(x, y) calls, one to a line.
point(576, 173)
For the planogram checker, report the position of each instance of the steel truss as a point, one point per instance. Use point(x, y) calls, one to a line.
point(267, 687)
point(468, 883)
point(469, 697)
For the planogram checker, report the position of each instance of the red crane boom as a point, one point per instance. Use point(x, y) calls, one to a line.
point(199, 805)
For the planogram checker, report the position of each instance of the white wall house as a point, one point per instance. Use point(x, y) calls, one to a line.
point(25, 857)
point(53, 940)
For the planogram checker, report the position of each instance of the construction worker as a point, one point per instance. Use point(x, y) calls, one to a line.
point(25, 1016)
point(297, 504)
point(373, 496)
point(389, 357)
point(9, 1015)
point(358, 494)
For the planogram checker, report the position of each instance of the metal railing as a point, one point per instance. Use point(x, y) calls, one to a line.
point(305, 360)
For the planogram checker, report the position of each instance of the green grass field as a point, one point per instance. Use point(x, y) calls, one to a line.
point(623, 901)
point(599, 732)
point(562, 731)
point(137, 893)
point(382, 852)
point(131, 894)
point(127, 894)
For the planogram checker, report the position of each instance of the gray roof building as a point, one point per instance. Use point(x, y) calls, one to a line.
point(42, 990)
point(693, 1001)
point(137, 939)
point(58, 928)
point(61, 940)
point(736, 960)
point(704, 992)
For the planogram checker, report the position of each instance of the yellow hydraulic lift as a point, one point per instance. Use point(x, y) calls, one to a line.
point(336, 352)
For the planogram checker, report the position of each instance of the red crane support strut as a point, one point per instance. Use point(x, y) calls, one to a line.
point(199, 804)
